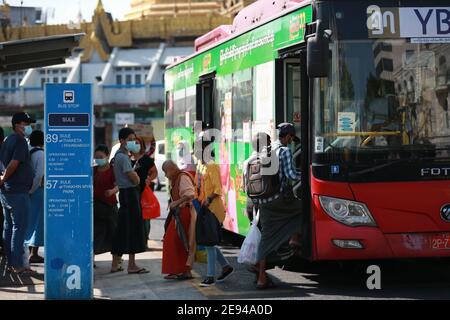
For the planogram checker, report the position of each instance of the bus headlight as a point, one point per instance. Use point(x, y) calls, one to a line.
point(350, 213)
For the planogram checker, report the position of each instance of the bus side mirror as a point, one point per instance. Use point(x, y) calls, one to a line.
point(317, 53)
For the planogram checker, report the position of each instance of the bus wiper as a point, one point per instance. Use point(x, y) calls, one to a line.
point(376, 168)
point(384, 165)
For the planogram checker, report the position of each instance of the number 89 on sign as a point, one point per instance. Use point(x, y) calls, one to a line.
point(51, 138)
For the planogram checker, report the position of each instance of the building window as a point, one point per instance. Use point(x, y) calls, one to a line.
point(5, 83)
point(13, 83)
point(55, 80)
point(42, 82)
point(137, 68)
point(64, 79)
point(55, 71)
point(137, 79)
point(119, 79)
point(128, 79)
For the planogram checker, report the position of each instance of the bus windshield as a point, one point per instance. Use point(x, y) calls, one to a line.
point(385, 98)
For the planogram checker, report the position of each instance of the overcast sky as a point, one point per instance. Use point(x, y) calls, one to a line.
point(66, 10)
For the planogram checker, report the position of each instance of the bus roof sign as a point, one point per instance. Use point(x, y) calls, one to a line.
point(408, 22)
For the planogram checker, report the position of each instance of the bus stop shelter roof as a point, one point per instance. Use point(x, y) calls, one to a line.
point(37, 52)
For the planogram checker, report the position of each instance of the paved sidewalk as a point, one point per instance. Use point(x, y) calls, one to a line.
point(121, 285)
point(149, 286)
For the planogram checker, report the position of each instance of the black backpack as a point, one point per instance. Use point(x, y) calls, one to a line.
point(262, 181)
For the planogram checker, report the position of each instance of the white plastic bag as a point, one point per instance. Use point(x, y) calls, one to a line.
point(250, 246)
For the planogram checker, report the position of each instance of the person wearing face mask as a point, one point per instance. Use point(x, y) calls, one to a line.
point(129, 235)
point(105, 203)
point(280, 215)
point(15, 183)
point(144, 165)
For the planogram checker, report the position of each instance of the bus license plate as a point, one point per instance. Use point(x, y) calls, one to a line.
point(440, 242)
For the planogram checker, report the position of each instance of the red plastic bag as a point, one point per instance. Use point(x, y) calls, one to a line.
point(149, 204)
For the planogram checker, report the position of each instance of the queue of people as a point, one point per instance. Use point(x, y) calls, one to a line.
point(280, 211)
point(119, 226)
point(192, 192)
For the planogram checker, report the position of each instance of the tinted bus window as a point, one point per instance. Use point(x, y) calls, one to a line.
point(179, 108)
point(190, 106)
point(242, 101)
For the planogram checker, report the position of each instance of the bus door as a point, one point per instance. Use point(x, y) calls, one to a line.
point(205, 100)
point(292, 106)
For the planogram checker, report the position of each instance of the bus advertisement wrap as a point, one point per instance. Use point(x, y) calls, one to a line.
point(248, 50)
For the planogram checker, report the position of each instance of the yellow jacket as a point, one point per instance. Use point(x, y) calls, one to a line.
point(210, 183)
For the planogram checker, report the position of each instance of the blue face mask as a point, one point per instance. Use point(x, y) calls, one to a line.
point(101, 162)
point(133, 147)
point(28, 130)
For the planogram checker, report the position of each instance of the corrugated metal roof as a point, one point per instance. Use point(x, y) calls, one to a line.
point(37, 52)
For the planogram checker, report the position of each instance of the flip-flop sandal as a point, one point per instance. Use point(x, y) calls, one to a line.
point(140, 271)
point(117, 270)
point(184, 277)
point(171, 276)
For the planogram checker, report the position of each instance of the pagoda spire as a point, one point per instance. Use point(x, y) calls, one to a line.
point(100, 7)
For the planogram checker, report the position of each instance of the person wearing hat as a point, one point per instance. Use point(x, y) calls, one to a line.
point(280, 215)
point(15, 183)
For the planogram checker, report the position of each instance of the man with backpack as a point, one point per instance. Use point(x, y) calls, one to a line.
point(253, 180)
point(269, 186)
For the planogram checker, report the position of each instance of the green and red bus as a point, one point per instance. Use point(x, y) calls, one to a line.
point(366, 83)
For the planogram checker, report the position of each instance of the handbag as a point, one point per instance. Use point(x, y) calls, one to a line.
point(149, 204)
point(208, 228)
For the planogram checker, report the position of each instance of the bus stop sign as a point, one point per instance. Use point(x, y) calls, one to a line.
point(68, 192)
